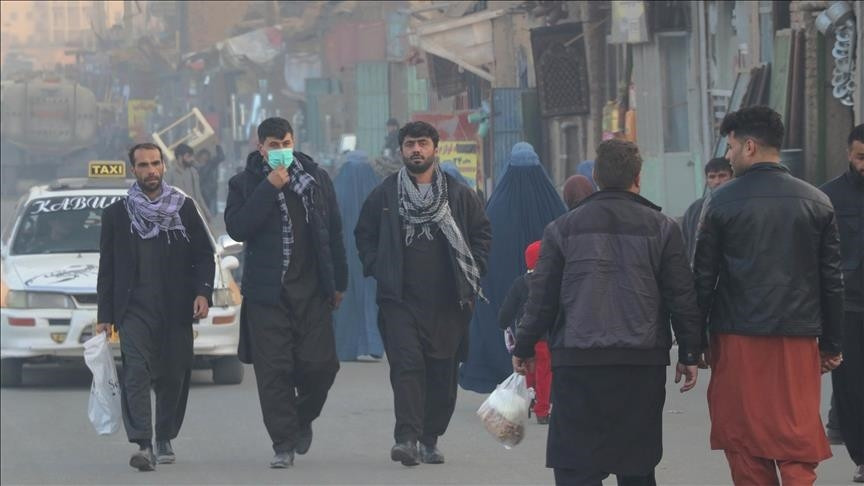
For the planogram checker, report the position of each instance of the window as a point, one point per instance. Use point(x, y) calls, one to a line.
point(675, 67)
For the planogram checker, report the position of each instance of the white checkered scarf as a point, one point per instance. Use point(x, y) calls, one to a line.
point(420, 212)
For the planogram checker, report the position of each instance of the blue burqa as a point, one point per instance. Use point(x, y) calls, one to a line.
point(356, 321)
point(451, 169)
point(522, 204)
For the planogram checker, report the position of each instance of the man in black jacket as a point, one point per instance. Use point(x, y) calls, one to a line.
point(284, 207)
point(425, 238)
point(768, 280)
point(717, 172)
point(847, 196)
point(156, 274)
point(610, 274)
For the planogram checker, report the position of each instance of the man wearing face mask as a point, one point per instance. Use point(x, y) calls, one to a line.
point(424, 237)
point(284, 208)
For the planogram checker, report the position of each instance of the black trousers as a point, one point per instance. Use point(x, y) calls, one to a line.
point(294, 357)
point(848, 384)
point(424, 388)
point(572, 477)
point(159, 358)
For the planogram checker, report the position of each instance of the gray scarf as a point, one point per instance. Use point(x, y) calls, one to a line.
point(420, 212)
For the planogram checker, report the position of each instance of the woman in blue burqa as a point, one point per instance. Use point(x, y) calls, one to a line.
point(522, 204)
point(356, 321)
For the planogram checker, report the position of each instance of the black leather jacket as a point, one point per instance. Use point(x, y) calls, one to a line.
point(847, 195)
point(768, 259)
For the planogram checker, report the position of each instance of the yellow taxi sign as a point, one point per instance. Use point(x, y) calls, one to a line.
point(107, 168)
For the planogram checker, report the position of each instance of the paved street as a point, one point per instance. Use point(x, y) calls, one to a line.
point(47, 439)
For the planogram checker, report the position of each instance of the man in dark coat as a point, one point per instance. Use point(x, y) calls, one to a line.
point(769, 283)
point(156, 273)
point(425, 238)
point(610, 274)
point(717, 172)
point(284, 207)
point(847, 196)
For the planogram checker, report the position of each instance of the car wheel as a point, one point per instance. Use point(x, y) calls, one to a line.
point(228, 371)
point(11, 371)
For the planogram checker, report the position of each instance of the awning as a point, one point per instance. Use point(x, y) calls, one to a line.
point(465, 41)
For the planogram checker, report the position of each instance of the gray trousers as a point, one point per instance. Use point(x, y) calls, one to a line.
point(159, 360)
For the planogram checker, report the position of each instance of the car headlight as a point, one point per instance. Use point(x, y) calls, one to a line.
point(223, 298)
point(17, 299)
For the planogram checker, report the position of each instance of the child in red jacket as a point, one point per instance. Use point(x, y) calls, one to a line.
point(509, 317)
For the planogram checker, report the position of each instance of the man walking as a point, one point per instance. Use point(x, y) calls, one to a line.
point(425, 238)
point(611, 273)
point(768, 279)
point(184, 176)
point(717, 172)
point(284, 207)
point(156, 273)
point(847, 196)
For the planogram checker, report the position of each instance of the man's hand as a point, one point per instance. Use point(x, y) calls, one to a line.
point(337, 299)
point(830, 361)
point(279, 177)
point(101, 327)
point(523, 366)
point(688, 371)
point(200, 308)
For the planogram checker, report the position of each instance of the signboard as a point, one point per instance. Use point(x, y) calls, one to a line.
point(629, 25)
point(107, 168)
point(464, 155)
point(139, 119)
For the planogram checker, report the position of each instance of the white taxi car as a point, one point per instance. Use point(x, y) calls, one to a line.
point(50, 262)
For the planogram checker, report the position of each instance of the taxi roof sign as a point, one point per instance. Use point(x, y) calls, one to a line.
point(107, 169)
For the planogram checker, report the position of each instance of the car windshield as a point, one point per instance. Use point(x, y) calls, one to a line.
point(63, 224)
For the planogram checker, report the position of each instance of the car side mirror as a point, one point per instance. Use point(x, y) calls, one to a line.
point(229, 245)
point(230, 263)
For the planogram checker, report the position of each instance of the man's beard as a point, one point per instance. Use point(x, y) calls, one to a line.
point(150, 185)
point(418, 165)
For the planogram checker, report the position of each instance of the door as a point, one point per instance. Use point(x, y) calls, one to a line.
point(679, 103)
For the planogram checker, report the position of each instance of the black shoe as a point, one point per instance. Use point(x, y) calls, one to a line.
point(858, 476)
point(406, 453)
point(304, 439)
point(164, 452)
point(282, 460)
point(543, 420)
point(430, 455)
point(143, 460)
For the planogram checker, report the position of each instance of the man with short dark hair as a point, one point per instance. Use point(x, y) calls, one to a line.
point(425, 238)
point(847, 196)
point(391, 142)
point(769, 283)
point(718, 171)
point(156, 274)
point(611, 274)
point(284, 208)
point(183, 175)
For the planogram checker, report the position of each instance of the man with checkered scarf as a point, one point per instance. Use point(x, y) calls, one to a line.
point(283, 207)
point(425, 238)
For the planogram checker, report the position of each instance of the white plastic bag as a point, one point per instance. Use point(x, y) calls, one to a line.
point(505, 411)
point(103, 409)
